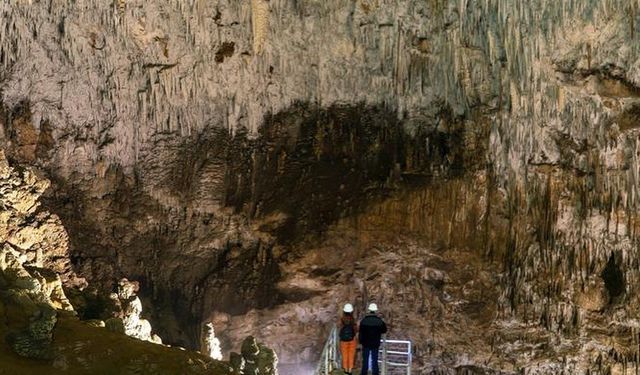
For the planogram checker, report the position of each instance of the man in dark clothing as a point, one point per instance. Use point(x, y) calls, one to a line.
point(372, 327)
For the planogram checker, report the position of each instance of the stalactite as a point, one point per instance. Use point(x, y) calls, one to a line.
point(158, 76)
point(260, 24)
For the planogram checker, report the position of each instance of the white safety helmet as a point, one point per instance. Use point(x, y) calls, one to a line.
point(348, 308)
point(373, 307)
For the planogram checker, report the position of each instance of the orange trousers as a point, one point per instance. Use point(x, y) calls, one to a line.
point(348, 350)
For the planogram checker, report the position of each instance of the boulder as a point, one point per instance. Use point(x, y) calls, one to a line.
point(237, 363)
point(35, 341)
point(258, 359)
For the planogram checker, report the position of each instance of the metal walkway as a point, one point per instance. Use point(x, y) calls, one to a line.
point(395, 356)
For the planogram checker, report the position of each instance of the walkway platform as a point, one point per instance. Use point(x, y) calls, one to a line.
point(395, 357)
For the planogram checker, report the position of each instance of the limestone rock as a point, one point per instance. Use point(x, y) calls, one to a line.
point(267, 361)
point(257, 358)
point(42, 284)
point(36, 235)
point(210, 344)
point(250, 348)
point(128, 319)
point(33, 304)
point(35, 341)
point(594, 297)
point(237, 363)
point(30, 294)
point(498, 138)
point(51, 286)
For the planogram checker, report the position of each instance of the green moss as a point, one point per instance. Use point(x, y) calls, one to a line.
point(81, 349)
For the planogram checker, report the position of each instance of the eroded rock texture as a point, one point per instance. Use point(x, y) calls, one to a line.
point(128, 319)
point(39, 328)
point(472, 165)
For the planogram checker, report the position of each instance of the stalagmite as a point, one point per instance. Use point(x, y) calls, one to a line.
point(210, 345)
point(128, 319)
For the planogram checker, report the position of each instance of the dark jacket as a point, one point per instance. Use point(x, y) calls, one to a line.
point(371, 330)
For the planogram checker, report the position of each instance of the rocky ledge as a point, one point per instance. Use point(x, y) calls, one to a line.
point(40, 331)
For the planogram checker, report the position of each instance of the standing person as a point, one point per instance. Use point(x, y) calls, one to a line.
point(348, 331)
point(372, 327)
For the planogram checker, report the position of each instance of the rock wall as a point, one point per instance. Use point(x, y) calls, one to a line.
point(196, 146)
point(29, 294)
point(39, 329)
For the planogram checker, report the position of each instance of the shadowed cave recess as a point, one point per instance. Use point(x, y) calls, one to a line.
point(470, 166)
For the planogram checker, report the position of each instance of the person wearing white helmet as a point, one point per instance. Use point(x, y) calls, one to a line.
point(347, 334)
point(372, 327)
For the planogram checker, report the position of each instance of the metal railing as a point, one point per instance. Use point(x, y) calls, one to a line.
point(329, 360)
point(395, 356)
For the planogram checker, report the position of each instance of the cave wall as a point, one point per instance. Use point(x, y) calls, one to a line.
point(191, 142)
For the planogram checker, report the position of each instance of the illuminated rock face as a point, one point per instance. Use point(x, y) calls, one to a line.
point(222, 151)
point(128, 319)
point(39, 329)
point(210, 344)
point(34, 242)
point(29, 294)
point(38, 235)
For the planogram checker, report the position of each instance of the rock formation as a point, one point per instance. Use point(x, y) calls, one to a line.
point(255, 359)
point(27, 307)
point(256, 163)
point(210, 344)
point(128, 318)
point(36, 235)
point(39, 330)
point(29, 295)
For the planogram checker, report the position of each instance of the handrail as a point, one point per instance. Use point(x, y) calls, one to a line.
point(329, 357)
point(399, 357)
